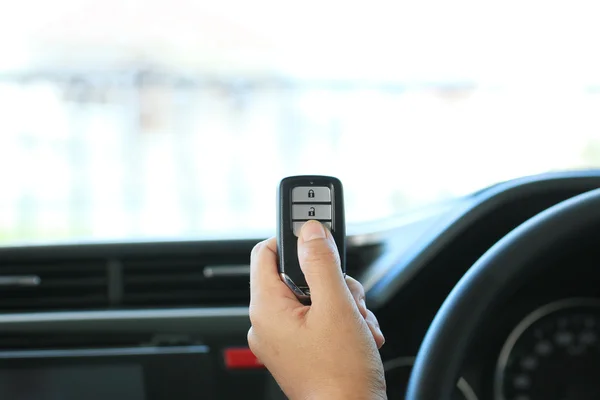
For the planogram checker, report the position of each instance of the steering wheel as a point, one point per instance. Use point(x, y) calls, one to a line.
point(488, 282)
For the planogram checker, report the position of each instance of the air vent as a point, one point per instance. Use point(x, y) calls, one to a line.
point(184, 282)
point(202, 281)
point(149, 279)
point(42, 286)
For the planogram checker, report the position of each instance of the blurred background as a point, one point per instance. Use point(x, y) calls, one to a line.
point(126, 120)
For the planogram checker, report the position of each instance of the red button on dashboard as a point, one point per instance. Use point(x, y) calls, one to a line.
point(241, 358)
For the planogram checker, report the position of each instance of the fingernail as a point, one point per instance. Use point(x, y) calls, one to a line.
point(312, 230)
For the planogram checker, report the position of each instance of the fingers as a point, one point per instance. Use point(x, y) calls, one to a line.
point(265, 285)
point(320, 263)
point(373, 325)
point(358, 292)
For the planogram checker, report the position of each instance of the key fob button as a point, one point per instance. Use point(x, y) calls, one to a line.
point(307, 194)
point(307, 211)
point(298, 226)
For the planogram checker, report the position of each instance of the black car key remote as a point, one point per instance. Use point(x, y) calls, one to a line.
point(303, 198)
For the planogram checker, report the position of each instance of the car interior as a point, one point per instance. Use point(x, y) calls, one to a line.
point(141, 145)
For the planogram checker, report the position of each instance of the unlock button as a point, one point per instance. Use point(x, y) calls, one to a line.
point(307, 211)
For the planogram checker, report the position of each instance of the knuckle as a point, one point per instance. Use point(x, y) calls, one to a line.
point(255, 315)
point(372, 318)
point(355, 287)
point(363, 310)
point(252, 340)
point(255, 250)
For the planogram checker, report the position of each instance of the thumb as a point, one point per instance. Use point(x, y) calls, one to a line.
point(320, 263)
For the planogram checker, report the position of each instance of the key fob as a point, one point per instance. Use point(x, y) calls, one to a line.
point(303, 198)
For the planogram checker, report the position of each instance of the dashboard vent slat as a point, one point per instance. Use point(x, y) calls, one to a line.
point(164, 278)
point(183, 282)
point(63, 285)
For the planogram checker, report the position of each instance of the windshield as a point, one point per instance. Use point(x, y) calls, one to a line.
point(127, 120)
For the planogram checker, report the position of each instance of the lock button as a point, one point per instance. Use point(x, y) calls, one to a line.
point(307, 211)
point(310, 194)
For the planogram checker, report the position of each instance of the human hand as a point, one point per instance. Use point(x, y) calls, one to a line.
point(327, 350)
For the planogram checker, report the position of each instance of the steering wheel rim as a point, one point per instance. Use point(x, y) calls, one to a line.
point(442, 351)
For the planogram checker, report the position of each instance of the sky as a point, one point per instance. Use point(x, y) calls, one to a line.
point(500, 42)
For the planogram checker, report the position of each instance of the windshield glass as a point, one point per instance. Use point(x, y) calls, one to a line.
point(127, 120)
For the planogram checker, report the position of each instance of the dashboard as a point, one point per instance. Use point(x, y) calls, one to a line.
point(173, 317)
